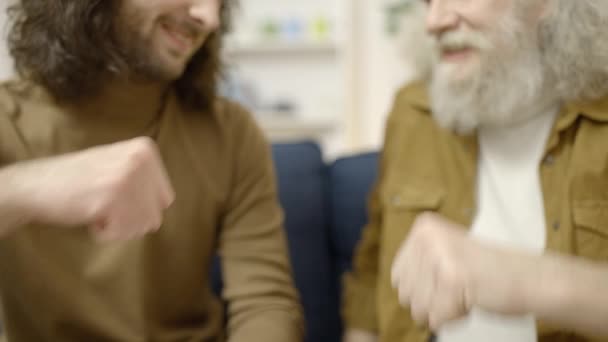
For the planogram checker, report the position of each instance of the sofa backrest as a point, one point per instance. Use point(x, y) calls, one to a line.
point(325, 210)
point(351, 180)
point(302, 181)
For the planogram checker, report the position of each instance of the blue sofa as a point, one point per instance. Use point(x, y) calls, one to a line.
point(325, 209)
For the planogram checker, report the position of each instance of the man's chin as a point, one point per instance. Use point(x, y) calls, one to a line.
point(172, 70)
point(456, 74)
point(165, 73)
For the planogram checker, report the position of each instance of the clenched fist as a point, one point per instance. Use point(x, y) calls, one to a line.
point(441, 273)
point(120, 191)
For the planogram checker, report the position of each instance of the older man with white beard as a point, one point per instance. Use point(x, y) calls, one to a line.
point(489, 221)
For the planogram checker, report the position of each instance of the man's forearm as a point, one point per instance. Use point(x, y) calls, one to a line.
point(354, 335)
point(12, 211)
point(571, 293)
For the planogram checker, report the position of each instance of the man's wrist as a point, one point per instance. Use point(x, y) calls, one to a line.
point(548, 285)
point(359, 335)
point(14, 199)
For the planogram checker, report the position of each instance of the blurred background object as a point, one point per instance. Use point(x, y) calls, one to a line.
point(324, 69)
point(6, 64)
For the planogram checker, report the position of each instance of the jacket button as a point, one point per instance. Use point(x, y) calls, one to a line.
point(556, 225)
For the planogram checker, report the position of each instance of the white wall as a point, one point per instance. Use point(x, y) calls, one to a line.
point(312, 79)
point(371, 66)
point(385, 64)
point(6, 64)
point(381, 72)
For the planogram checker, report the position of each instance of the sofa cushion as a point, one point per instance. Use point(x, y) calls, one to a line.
point(351, 180)
point(302, 178)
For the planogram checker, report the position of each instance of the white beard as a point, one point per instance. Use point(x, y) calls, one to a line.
point(503, 87)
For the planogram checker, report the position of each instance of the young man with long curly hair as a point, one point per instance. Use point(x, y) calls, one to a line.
point(123, 173)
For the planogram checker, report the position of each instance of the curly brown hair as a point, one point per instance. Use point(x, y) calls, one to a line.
point(69, 47)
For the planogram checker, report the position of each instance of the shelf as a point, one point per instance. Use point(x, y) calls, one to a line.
point(281, 48)
point(279, 128)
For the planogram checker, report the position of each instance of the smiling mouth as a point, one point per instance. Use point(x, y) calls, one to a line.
point(183, 39)
point(456, 53)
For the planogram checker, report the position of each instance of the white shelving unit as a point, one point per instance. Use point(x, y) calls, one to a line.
point(310, 73)
point(281, 128)
point(264, 49)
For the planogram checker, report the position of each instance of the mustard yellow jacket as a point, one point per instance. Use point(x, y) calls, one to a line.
point(426, 168)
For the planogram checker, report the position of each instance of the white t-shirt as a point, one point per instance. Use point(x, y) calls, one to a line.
point(510, 212)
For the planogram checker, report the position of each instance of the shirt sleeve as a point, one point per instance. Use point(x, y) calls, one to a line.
point(263, 304)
